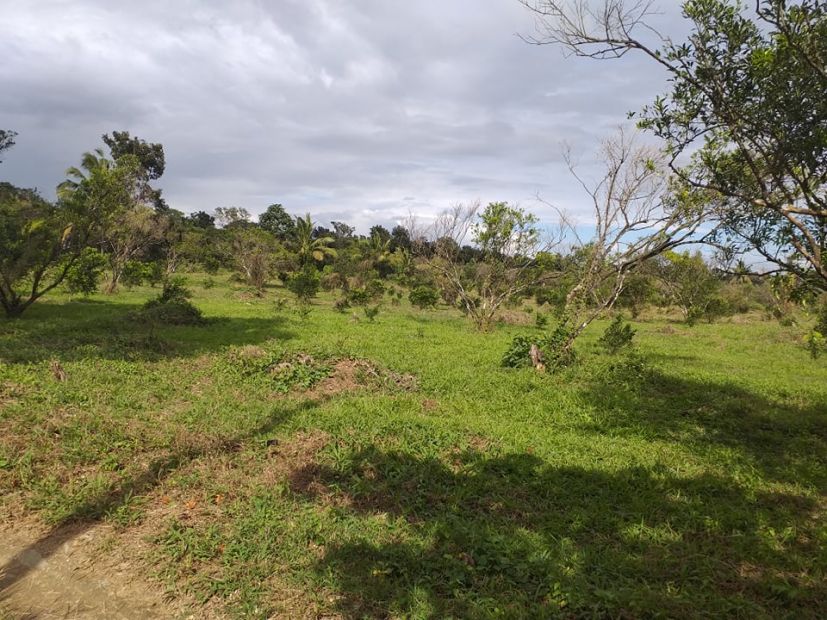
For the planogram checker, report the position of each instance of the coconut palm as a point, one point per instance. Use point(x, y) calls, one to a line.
point(306, 246)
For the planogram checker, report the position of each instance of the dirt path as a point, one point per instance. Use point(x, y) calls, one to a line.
point(66, 573)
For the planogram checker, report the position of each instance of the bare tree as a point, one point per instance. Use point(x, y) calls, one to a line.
point(506, 241)
point(638, 214)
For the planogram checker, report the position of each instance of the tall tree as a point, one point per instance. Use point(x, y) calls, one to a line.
point(151, 158)
point(111, 192)
point(150, 155)
point(277, 221)
point(746, 102)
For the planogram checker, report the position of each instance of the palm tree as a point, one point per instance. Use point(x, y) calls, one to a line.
point(307, 247)
point(90, 162)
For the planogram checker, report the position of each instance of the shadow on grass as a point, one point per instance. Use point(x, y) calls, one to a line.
point(90, 512)
point(512, 537)
point(79, 330)
point(783, 441)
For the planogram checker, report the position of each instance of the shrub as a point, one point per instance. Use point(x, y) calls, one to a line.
point(371, 312)
point(171, 307)
point(518, 353)
point(208, 283)
point(424, 297)
point(815, 343)
point(83, 277)
point(618, 335)
point(540, 320)
point(341, 305)
point(551, 346)
point(304, 284)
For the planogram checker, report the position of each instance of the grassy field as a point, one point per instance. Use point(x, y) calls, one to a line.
point(393, 469)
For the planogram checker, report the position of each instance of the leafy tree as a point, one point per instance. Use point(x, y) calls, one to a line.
point(746, 102)
point(39, 243)
point(111, 191)
point(689, 283)
point(400, 238)
point(381, 232)
point(149, 155)
point(84, 275)
point(7, 137)
point(278, 222)
point(309, 247)
point(304, 284)
point(201, 219)
point(232, 217)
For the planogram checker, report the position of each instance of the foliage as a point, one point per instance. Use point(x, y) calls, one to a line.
point(371, 312)
point(150, 156)
point(689, 284)
point(7, 137)
point(171, 307)
point(517, 354)
point(278, 222)
point(304, 284)
point(308, 246)
point(618, 335)
point(253, 252)
point(815, 343)
point(84, 275)
point(424, 297)
point(232, 217)
point(746, 102)
point(39, 242)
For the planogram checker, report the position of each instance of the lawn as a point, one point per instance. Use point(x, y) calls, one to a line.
point(274, 465)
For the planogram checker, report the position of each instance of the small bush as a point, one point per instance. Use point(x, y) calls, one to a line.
point(83, 277)
point(371, 313)
point(341, 305)
point(208, 283)
point(172, 306)
point(304, 284)
point(518, 353)
point(424, 297)
point(618, 335)
point(815, 343)
point(540, 320)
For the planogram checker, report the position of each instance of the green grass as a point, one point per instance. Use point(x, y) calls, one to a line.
point(687, 480)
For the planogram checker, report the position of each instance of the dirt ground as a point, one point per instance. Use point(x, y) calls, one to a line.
point(67, 573)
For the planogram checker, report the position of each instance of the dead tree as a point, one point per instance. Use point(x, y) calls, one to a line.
point(638, 214)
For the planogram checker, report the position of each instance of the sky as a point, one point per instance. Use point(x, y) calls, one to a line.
point(363, 111)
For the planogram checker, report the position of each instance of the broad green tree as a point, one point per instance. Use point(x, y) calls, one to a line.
point(39, 242)
point(745, 116)
point(278, 222)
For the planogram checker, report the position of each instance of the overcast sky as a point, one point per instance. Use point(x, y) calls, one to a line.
point(355, 110)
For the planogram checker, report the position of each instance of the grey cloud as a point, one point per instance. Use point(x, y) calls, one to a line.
point(356, 110)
